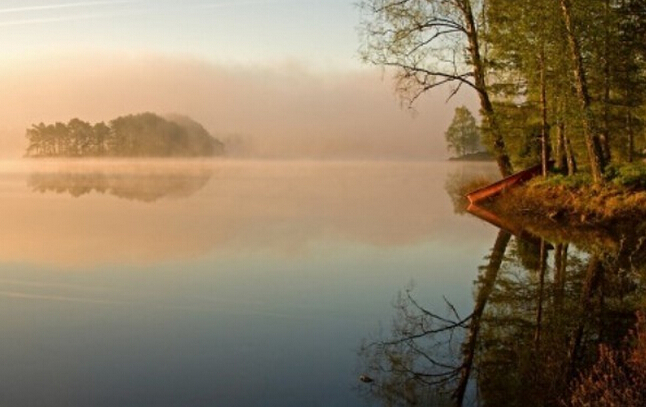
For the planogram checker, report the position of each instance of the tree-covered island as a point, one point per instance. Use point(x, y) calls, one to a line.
point(463, 137)
point(139, 135)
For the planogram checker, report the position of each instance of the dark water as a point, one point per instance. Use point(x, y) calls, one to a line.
point(256, 284)
point(545, 299)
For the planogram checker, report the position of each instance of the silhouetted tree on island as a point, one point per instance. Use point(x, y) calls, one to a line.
point(463, 135)
point(140, 135)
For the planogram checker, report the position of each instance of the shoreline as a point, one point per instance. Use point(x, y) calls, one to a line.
point(590, 215)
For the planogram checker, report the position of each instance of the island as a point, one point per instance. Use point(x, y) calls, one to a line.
point(139, 135)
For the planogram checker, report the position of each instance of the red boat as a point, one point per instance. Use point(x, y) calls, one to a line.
point(499, 186)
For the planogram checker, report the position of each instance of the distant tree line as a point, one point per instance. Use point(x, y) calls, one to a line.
point(139, 135)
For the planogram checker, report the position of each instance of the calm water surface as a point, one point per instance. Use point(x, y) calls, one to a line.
point(218, 283)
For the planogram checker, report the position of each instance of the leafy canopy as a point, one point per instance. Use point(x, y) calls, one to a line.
point(463, 136)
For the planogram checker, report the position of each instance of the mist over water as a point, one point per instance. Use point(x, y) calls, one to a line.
point(324, 258)
point(190, 282)
point(258, 282)
point(175, 208)
point(281, 110)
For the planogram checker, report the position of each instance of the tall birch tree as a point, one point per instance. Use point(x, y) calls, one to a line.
point(430, 43)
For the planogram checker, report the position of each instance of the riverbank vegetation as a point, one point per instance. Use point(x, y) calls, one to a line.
point(618, 378)
point(575, 200)
point(551, 85)
point(560, 82)
point(140, 135)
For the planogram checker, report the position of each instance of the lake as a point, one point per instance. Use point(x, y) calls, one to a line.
point(260, 283)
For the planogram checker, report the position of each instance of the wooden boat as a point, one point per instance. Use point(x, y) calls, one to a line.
point(507, 182)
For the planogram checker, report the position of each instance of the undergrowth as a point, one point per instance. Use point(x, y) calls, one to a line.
point(618, 379)
point(576, 199)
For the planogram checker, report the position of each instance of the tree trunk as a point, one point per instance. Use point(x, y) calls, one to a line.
point(484, 291)
point(546, 148)
point(542, 268)
point(593, 145)
point(631, 137)
point(486, 107)
point(561, 157)
point(629, 127)
point(571, 159)
point(605, 133)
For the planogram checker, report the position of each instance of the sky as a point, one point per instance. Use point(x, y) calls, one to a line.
point(282, 78)
point(321, 32)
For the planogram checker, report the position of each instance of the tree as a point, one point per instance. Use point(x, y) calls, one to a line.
point(101, 136)
point(144, 134)
point(430, 358)
point(80, 135)
point(592, 141)
point(463, 136)
point(525, 65)
point(430, 43)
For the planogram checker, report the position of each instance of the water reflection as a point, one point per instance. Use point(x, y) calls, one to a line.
point(145, 187)
point(252, 291)
point(464, 179)
point(542, 307)
point(231, 207)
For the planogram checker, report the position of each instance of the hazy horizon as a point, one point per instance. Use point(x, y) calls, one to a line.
point(284, 76)
point(278, 111)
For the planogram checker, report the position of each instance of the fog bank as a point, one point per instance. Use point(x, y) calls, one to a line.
point(281, 111)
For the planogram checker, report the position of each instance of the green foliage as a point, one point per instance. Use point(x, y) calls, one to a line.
point(141, 135)
point(463, 136)
point(428, 44)
point(522, 133)
point(631, 175)
point(568, 74)
point(575, 181)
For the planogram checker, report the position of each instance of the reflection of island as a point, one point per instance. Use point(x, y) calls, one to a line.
point(535, 329)
point(146, 187)
point(285, 208)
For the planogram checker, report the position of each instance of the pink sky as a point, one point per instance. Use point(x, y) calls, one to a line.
point(278, 111)
point(282, 75)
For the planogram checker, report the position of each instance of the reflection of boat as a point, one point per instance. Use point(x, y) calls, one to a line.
point(499, 186)
point(504, 224)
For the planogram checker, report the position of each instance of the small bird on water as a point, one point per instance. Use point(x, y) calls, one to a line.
point(366, 379)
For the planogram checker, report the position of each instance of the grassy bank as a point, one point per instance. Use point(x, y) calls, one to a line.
point(576, 201)
point(583, 204)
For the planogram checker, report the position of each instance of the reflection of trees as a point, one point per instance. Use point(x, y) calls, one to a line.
point(146, 187)
point(461, 182)
point(424, 358)
point(539, 316)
